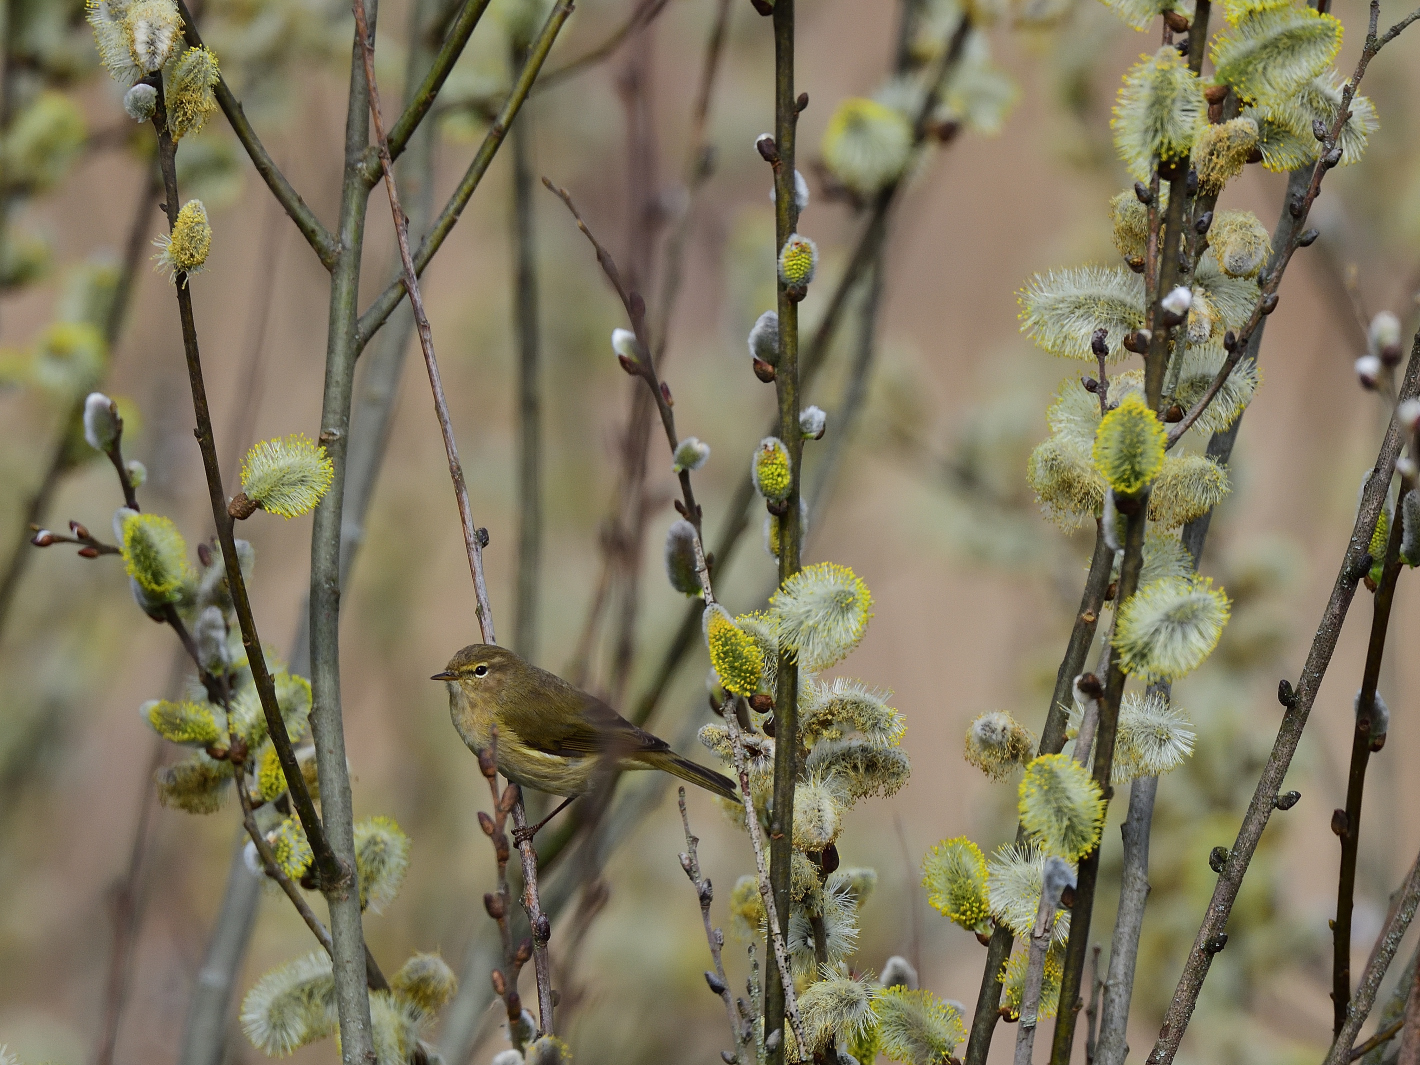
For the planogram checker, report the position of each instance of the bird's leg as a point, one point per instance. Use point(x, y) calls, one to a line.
point(523, 835)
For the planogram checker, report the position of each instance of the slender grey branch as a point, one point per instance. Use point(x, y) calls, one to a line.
point(327, 718)
point(690, 862)
point(1110, 1048)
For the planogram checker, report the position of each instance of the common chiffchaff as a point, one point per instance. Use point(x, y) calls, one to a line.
point(552, 736)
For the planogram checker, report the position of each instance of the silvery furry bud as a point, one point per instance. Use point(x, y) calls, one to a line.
point(137, 473)
point(1377, 715)
point(812, 423)
point(898, 972)
point(1178, 301)
point(1368, 371)
point(1383, 337)
point(102, 425)
point(1408, 415)
point(801, 192)
point(209, 632)
point(623, 342)
point(764, 338)
point(140, 102)
point(1109, 521)
point(690, 454)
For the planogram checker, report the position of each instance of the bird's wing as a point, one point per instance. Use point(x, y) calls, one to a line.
point(577, 725)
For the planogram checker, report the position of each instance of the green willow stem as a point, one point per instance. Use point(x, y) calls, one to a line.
point(419, 103)
point(386, 301)
point(786, 384)
point(327, 725)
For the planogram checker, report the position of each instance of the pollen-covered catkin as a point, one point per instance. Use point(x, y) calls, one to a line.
point(996, 744)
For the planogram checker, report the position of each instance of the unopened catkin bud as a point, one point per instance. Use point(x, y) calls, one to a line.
point(137, 473)
point(1410, 528)
point(209, 633)
point(1368, 371)
point(1177, 301)
point(764, 338)
point(681, 568)
point(812, 423)
point(102, 425)
point(1384, 337)
point(1407, 414)
point(140, 102)
point(623, 342)
point(690, 454)
point(801, 192)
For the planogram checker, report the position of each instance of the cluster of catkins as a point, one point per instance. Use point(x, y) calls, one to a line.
point(848, 739)
point(219, 717)
point(1109, 453)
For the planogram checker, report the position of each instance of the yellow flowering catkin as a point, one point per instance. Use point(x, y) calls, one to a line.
point(1129, 446)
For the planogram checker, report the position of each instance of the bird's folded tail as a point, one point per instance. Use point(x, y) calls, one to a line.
point(697, 774)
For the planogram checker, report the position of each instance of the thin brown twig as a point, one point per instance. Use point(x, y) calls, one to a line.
point(1363, 744)
point(720, 985)
point(505, 980)
point(273, 867)
point(1397, 922)
point(473, 543)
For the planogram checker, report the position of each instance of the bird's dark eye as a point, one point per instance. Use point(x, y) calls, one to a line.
point(480, 671)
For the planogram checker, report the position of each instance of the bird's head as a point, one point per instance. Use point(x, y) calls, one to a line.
point(480, 668)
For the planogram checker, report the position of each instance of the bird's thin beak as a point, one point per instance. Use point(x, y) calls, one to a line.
point(446, 675)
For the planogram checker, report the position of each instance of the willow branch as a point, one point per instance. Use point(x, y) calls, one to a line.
point(1207, 942)
point(1402, 910)
point(274, 870)
point(422, 99)
point(390, 298)
point(1363, 744)
point(720, 985)
point(331, 868)
point(1298, 210)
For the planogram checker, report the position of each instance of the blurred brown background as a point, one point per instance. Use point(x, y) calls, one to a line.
point(973, 590)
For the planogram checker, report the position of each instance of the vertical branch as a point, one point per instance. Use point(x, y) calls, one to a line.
point(786, 384)
point(1063, 1040)
point(1363, 743)
point(327, 718)
point(525, 315)
point(1110, 1049)
point(1397, 923)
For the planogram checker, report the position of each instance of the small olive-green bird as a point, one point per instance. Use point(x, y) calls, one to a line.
point(551, 735)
